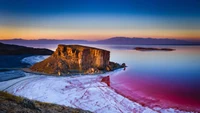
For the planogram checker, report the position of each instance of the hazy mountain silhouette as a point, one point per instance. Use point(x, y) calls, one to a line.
point(44, 41)
point(114, 40)
point(145, 41)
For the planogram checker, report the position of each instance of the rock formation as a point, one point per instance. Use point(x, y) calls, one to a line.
point(153, 49)
point(70, 59)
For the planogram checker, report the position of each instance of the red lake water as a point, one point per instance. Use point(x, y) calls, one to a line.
point(160, 79)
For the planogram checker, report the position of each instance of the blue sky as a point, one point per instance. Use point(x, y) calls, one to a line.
point(100, 18)
point(128, 7)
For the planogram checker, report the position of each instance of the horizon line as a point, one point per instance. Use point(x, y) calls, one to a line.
point(104, 38)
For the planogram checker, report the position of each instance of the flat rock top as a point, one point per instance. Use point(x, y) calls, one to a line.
point(79, 47)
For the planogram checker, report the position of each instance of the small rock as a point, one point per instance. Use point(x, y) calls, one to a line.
point(90, 71)
point(123, 65)
point(108, 68)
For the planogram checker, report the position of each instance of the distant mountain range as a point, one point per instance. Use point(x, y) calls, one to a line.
point(43, 41)
point(114, 40)
point(145, 41)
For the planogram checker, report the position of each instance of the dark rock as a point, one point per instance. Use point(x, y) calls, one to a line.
point(114, 65)
point(8, 49)
point(153, 49)
point(123, 65)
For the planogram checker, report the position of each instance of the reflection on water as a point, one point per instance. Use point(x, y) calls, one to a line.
point(156, 78)
point(166, 79)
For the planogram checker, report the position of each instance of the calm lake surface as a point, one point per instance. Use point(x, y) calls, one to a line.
point(156, 78)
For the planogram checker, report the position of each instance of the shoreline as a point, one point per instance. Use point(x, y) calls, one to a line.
point(33, 78)
point(155, 107)
point(27, 70)
point(72, 74)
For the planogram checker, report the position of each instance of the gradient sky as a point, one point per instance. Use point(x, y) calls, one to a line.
point(99, 19)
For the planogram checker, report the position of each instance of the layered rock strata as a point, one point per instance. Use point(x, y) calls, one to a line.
point(70, 59)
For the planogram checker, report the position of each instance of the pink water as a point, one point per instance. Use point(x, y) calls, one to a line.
point(161, 79)
point(153, 93)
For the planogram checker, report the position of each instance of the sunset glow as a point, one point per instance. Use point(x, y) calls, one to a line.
point(87, 20)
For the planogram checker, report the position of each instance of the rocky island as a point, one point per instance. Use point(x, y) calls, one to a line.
point(76, 59)
point(152, 49)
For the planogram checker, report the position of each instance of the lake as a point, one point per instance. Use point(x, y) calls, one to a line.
point(156, 78)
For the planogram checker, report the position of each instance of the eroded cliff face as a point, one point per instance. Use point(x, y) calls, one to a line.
point(74, 59)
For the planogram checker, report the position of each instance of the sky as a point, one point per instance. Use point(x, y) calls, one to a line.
point(99, 19)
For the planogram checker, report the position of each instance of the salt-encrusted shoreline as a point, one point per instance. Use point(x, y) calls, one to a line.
point(86, 92)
